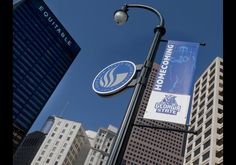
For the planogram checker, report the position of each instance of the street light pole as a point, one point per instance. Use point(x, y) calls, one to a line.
point(119, 147)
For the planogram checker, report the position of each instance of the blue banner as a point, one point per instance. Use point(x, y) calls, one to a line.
point(170, 97)
point(177, 67)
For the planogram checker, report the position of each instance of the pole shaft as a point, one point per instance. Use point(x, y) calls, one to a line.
point(119, 147)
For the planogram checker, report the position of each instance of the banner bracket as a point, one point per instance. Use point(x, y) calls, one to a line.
point(200, 43)
point(164, 128)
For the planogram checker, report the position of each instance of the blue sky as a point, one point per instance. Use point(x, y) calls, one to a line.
point(102, 43)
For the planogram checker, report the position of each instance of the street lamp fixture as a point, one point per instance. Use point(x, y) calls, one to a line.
point(120, 17)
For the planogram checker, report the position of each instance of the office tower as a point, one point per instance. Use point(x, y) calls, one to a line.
point(153, 146)
point(206, 148)
point(28, 148)
point(66, 143)
point(101, 146)
point(42, 53)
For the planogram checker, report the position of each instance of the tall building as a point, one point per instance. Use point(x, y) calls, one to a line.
point(28, 148)
point(42, 53)
point(101, 146)
point(149, 146)
point(66, 143)
point(206, 148)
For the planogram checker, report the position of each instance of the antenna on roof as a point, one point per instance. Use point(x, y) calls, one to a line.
point(64, 108)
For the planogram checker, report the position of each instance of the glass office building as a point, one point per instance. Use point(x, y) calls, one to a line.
point(42, 53)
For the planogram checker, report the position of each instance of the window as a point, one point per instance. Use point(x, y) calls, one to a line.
point(203, 89)
point(209, 104)
point(194, 112)
point(219, 142)
point(198, 141)
point(208, 123)
point(46, 146)
point(74, 127)
point(212, 80)
point(193, 120)
point(202, 104)
point(207, 144)
point(219, 154)
point(210, 96)
point(220, 120)
point(66, 125)
point(200, 113)
point(50, 155)
point(60, 136)
point(203, 77)
point(197, 151)
point(220, 102)
point(52, 134)
point(196, 162)
point(212, 73)
point(68, 139)
point(207, 133)
point(65, 145)
point(213, 65)
point(220, 130)
point(190, 138)
point(48, 160)
point(39, 158)
point(209, 114)
point(205, 156)
point(204, 82)
point(211, 88)
point(199, 131)
point(200, 122)
point(189, 148)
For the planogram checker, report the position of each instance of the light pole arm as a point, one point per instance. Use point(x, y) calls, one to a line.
point(161, 24)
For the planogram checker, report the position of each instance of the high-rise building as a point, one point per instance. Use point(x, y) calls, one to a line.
point(150, 146)
point(66, 143)
point(206, 148)
point(42, 53)
point(28, 148)
point(101, 146)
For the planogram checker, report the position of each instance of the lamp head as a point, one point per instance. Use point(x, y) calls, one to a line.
point(121, 16)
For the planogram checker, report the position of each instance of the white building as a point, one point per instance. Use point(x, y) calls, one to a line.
point(101, 146)
point(206, 148)
point(66, 143)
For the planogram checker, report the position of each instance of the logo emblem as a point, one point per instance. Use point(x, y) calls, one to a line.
point(114, 77)
point(168, 105)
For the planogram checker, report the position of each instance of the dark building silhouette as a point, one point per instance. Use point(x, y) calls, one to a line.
point(42, 53)
point(28, 148)
point(148, 146)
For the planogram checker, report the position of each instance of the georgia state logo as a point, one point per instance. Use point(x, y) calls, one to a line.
point(114, 77)
point(168, 105)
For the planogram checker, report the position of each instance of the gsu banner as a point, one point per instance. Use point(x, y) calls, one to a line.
point(170, 96)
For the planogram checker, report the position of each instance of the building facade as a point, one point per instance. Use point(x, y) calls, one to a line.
point(28, 148)
point(66, 143)
point(101, 146)
point(42, 53)
point(206, 148)
point(147, 146)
